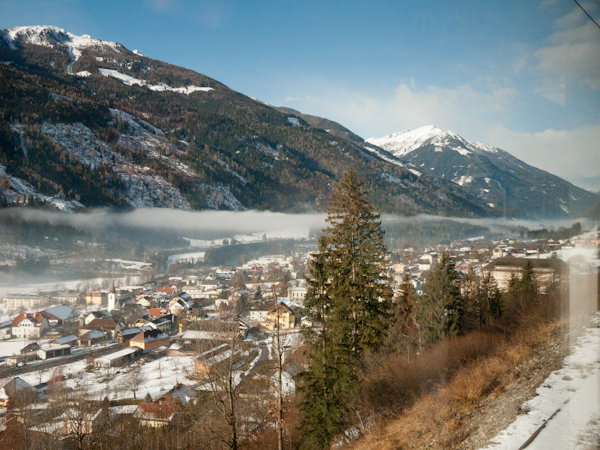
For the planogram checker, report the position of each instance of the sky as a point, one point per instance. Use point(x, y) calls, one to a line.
point(522, 75)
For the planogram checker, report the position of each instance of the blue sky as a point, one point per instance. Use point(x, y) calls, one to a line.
point(521, 75)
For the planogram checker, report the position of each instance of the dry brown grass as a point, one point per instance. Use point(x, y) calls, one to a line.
point(440, 388)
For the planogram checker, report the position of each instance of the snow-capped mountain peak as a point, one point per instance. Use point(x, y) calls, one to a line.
point(50, 36)
point(403, 142)
point(53, 37)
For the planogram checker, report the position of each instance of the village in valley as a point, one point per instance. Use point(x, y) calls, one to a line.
point(143, 353)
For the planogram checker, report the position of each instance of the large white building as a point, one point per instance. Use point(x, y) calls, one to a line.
point(29, 326)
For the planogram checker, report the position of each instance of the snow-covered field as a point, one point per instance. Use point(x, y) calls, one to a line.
point(196, 256)
point(26, 288)
point(568, 404)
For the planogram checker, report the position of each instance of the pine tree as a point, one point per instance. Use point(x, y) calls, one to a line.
point(357, 262)
point(441, 310)
point(403, 335)
point(349, 297)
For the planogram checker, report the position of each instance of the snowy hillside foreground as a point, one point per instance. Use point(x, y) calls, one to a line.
point(130, 81)
point(566, 412)
point(54, 37)
point(403, 142)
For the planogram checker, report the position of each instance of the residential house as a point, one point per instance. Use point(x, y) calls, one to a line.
point(149, 339)
point(90, 338)
point(71, 340)
point(58, 315)
point(205, 362)
point(158, 312)
point(283, 313)
point(179, 306)
point(209, 284)
point(76, 422)
point(6, 329)
point(155, 414)
point(125, 335)
point(163, 324)
point(104, 325)
point(11, 387)
point(29, 325)
point(84, 319)
point(427, 260)
point(180, 393)
point(194, 291)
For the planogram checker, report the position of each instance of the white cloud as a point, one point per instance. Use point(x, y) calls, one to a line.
point(573, 50)
point(407, 106)
point(566, 153)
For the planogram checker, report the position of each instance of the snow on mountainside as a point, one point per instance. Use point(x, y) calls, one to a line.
point(404, 142)
point(130, 81)
point(491, 174)
point(53, 37)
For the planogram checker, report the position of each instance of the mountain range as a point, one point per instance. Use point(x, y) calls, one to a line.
point(87, 123)
point(489, 173)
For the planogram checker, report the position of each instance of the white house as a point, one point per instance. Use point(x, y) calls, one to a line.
point(27, 325)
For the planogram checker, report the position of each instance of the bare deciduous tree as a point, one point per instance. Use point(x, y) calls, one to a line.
point(133, 380)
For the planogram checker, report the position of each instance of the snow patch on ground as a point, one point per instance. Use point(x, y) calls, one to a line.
point(294, 121)
point(130, 81)
point(464, 179)
point(392, 179)
point(20, 189)
point(219, 196)
point(235, 174)
point(147, 190)
point(196, 256)
point(82, 143)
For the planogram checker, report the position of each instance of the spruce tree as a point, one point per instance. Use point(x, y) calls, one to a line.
point(348, 297)
point(441, 310)
point(403, 335)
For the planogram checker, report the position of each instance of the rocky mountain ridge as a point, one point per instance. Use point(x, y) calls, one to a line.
point(489, 173)
point(86, 123)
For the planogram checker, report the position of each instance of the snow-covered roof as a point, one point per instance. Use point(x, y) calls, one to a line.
point(65, 339)
point(120, 354)
point(63, 312)
point(95, 334)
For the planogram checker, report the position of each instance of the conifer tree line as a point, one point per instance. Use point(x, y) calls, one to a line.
point(351, 304)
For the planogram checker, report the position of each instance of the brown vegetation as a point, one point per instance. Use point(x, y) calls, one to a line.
point(428, 401)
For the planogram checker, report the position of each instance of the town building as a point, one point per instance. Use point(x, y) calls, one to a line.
point(546, 271)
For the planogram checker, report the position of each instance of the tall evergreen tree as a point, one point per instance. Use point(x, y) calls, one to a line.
point(349, 297)
point(403, 335)
point(441, 311)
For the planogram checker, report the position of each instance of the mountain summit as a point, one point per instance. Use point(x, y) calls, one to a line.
point(491, 174)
